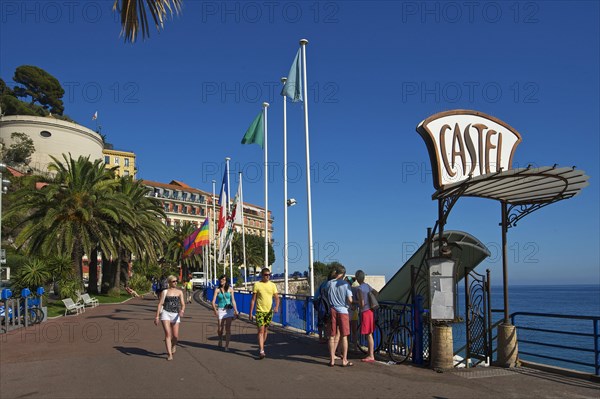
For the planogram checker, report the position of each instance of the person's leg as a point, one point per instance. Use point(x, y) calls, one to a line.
point(367, 328)
point(220, 327)
point(174, 336)
point(344, 333)
point(371, 343)
point(332, 343)
point(167, 328)
point(261, 341)
point(227, 331)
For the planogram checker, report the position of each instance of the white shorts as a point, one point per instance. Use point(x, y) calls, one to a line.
point(170, 316)
point(224, 313)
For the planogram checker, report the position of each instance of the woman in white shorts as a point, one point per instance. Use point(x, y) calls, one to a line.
point(170, 311)
point(225, 309)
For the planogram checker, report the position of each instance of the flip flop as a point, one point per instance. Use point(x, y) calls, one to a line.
point(331, 364)
point(349, 364)
point(368, 360)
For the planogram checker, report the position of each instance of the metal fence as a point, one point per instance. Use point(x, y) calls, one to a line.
point(570, 339)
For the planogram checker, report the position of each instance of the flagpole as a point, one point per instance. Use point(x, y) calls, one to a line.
point(227, 159)
point(303, 44)
point(285, 197)
point(204, 252)
point(241, 199)
point(214, 234)
point(265, 106)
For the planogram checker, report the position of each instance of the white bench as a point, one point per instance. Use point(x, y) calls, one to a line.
point(71, 306)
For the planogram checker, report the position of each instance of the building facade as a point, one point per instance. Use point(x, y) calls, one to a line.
point(183, 203)
point(52, 137)
point(122, 161)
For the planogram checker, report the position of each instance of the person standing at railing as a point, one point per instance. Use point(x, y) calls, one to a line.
point(367, 317)
point(339, 296)
point(264, 292)
point(225, 309)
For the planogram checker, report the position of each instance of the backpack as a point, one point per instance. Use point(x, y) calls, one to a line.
point(323, 309)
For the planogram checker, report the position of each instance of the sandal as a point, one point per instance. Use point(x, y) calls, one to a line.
point(349, 364)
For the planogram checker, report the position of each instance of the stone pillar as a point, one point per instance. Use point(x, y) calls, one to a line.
point(508, 350)
point(442, 348)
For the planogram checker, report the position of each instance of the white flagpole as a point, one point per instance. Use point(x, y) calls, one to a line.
point(228, 214)
point(241, 200)
point(303, 44)
point(214, 234)
point(206, 258)
point(265, 106)
point(285, 197)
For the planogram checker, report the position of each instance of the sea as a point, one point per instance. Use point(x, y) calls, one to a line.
point(571, 300)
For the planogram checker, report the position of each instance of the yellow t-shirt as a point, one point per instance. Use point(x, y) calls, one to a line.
point(264, 295)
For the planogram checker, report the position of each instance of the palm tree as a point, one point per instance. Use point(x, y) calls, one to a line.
point(72, 214)
point(174, 250)
point(142, 230)
point(134, 15)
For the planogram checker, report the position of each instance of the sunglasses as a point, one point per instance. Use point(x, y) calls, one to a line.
point(173, 281)
point(267, 274)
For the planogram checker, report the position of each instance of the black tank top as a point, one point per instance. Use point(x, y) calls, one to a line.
point(171, 304)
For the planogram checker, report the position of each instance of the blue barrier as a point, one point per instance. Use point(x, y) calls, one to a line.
point(294, 310)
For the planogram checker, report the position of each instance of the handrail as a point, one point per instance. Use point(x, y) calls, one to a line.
point(595, 334)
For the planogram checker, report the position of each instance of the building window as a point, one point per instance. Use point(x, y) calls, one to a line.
point(107, 159)
point(175, 208)
point(126, 161)
point(126, 173)
point(116, 160)
point(45, 133)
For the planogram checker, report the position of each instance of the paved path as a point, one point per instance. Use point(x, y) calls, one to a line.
point(115, 351)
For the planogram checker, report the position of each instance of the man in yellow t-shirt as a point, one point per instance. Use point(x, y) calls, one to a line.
point(264, 292)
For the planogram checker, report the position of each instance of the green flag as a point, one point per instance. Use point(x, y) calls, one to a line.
point(256, 132)
point(293, 85)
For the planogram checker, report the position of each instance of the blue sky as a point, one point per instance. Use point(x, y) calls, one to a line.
point(183, 99)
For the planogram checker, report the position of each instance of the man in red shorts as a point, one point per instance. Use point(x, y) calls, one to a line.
point(339, 296)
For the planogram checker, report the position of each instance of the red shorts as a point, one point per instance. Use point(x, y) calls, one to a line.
point(367, 322)
point(339, 321)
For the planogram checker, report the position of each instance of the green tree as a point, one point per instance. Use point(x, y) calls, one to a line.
point(72, 214)
point(255, 251)
point(140, 230)
point(34, 273)
point(19, 152)
point(40, 86)
point(134, 18)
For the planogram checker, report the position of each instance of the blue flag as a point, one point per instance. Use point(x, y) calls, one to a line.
point(293, 86)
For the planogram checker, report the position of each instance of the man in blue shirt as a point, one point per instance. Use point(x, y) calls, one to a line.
point(339, 296)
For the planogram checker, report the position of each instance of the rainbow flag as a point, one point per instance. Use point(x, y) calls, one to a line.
point(198, 239)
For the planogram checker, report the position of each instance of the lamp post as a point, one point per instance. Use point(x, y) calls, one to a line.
point(3, 188)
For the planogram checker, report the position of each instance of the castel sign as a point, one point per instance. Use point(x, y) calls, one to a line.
point(463, 143)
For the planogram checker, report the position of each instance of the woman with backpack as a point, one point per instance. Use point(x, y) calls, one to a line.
point(225, 309)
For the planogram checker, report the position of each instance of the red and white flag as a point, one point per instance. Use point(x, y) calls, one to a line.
point(95, 116)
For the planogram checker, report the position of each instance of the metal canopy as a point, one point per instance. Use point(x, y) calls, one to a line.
point(470, 254)
point(521, 186)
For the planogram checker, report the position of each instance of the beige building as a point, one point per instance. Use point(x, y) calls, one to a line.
point(183, 203)
point(52, 137)
point(124, 161)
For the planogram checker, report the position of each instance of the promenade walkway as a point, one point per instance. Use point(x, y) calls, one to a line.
point(115, 351)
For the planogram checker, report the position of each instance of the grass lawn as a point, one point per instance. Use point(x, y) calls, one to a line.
point(57, 308)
